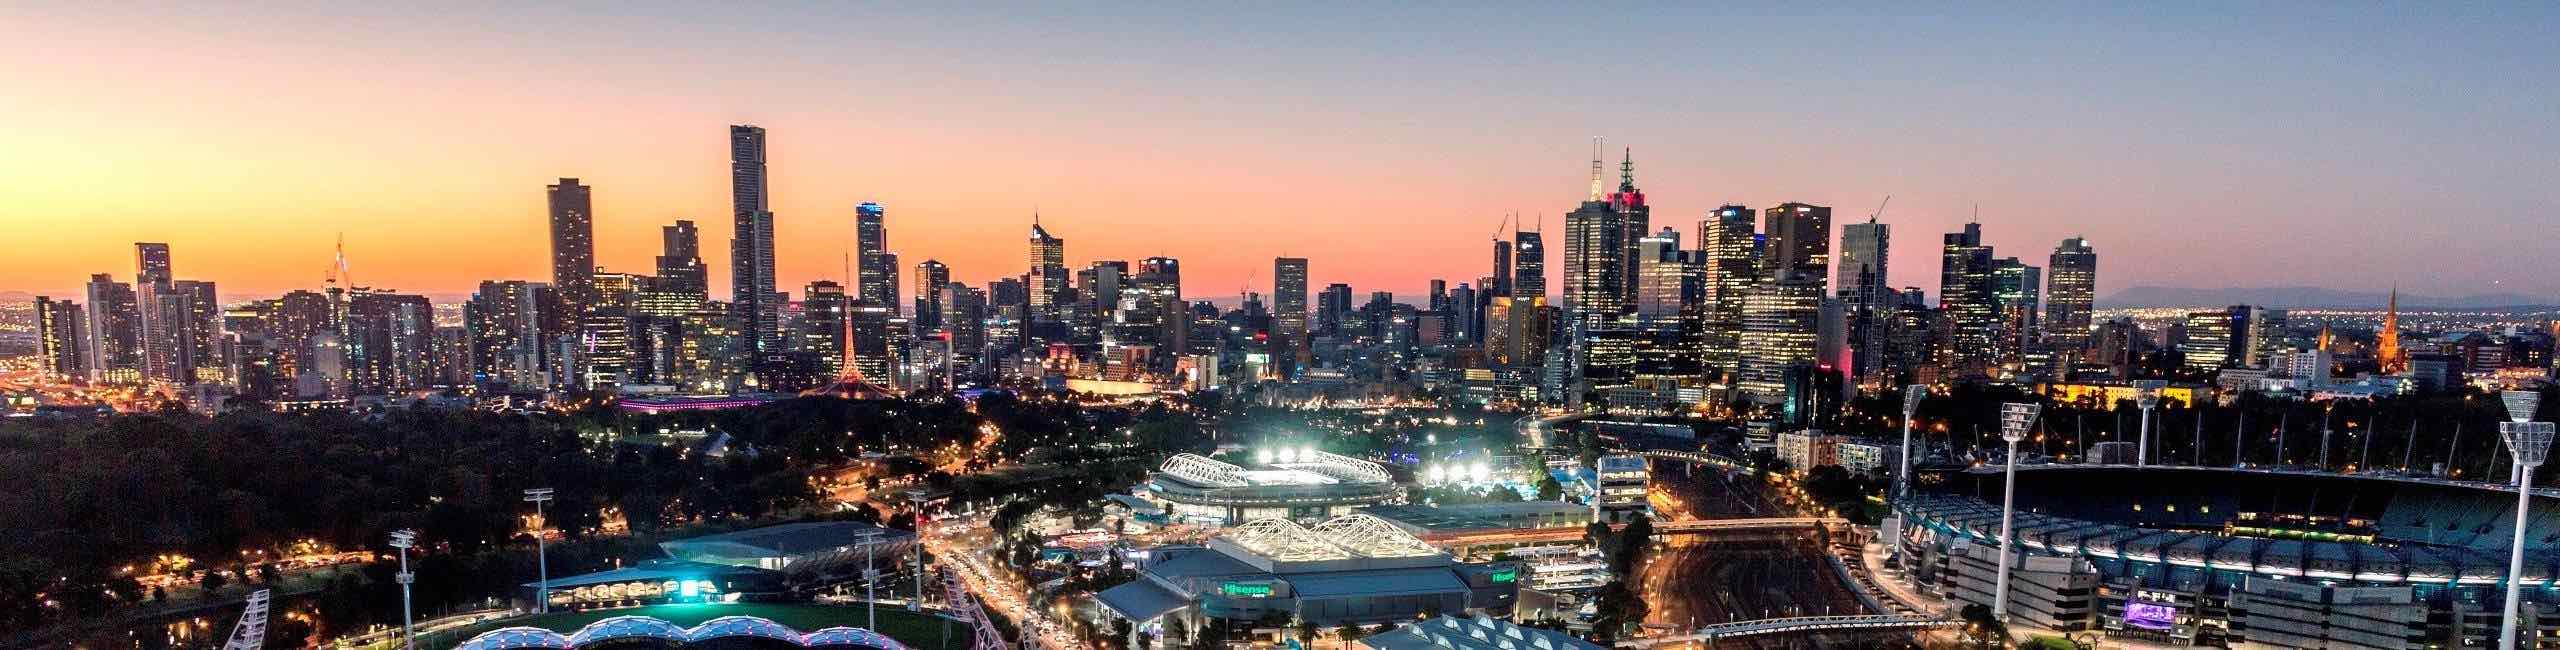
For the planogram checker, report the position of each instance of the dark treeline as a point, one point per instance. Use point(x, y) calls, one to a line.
point(81, 499)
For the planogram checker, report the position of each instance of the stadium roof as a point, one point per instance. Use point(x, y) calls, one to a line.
point(653, 570)
point(1140, 600)
point(1479, 633)
point(784, 540)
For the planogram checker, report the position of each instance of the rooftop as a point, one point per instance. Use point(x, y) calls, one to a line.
point(1479, 633)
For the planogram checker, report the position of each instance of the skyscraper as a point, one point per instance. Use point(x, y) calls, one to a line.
point(932, 279)
point(1799, 238)
point(1289, 314)
point(1727, 238)
point(1967, 287)
point(1528, 265)
point(1048, 275)
point(1595, 258)
point(1501, 284)
point(115, 331)
point(751, 248)
point(2020, 290)
point(59, 337)
point(875, 276)
point(573, 247)
point(1780, 320)
point(2071, 290)
point(151, 279)
point(1635, 222)
point(1866, 298)
point(680, 262)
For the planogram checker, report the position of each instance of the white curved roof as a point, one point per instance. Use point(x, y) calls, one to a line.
point(628, 627)
point(1347, 468)
point(1284, 540)
point(1339, 538)
point(1204, 470)
point(1372, 537)
point(514, 638)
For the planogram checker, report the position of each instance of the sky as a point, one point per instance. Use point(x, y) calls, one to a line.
point(2343, 145)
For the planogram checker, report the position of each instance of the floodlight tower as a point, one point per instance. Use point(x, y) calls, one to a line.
point(2527, 442)
point(403, 539)
point(541, 548)
point(870, 581)
point(2146, 393)
point(2015, 420)
point(1911, 396)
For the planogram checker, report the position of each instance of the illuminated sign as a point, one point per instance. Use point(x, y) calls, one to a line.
point(2150, 616)
point(1506, 575)
point(1245, 590)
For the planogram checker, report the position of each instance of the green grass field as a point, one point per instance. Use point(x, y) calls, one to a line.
point(918, 631)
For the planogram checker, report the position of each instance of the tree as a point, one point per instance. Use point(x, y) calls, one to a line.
point(212, 581)
point(1985, 629)
point(1549, 489)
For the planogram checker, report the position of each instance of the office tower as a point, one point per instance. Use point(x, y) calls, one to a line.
point(1099, 285)
point(964, 313)
point(1967, 292)
point(823, 306)
point(1595, 258)
point(1152, 313)
point(2019, 288)
point(573, 248)
point(1635, 222)
point(1516, 333)
point(1501, 284)
point(608, 344)
point(390, 338)
point(751, 279)
point(1911, 340)
point(504, 319)
point(60, 336)
point(2072, 289)
point(932, 277)
point(682, 282)
point(1861, 283)
point(2216, 339)
point(115, 331)
point(1437, 295)
point(1528, 265)
point(1781, 318)
point(1728, 239)
point(871, 343)
point(1333, 307)
point(874, 273)
point(1465, 319)
point(1799, 238)
point(1047, 280)
point(1659, 272)
point(1289, 346)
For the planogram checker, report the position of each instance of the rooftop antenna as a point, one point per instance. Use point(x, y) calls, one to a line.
point(1977, 213)
point(1595, 167)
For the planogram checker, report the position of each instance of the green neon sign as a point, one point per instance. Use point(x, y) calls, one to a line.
point(1245, 590)
point(1506, 575)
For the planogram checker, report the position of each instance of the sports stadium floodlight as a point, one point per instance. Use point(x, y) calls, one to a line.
point(403, 539)
point(541, 548)
point(2015, 420)
point(2528, 442)
point(1911, 396)
point(2146, 393)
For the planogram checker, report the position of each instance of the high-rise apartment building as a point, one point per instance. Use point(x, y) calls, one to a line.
point(680, 270)
point(115, 331)
point(752, 294)
point(1967, 292)
point(391, 340)
point(1047, 279)
point(1866, 296)
point(1728, 239)
point(2020, 290)
point(932, 278)
point(504, 322)
point(60, 334)
point(573, 247)
point(823, 306)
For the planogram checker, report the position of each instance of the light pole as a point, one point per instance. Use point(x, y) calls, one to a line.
point(1911, 396)
point(2527, 442)
point(2015, 420)
point(870, 581)
point(403, 539)
point(541, 548)
point(2146, 393)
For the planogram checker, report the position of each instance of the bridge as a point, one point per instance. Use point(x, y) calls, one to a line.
point(1460, 541)
point(1737, 629)
point(1697, 457)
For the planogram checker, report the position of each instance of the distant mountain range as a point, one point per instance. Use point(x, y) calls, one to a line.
point(2308, 297)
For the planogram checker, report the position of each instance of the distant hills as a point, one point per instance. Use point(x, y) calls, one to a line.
point(2308, 297)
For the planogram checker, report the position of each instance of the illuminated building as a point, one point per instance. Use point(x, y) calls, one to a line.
point(2216, 339)
point(2071, 290)
point(823, 305)
point(682, 284)
point(1727, 239)
point(390, 340)
point(1596, 247)
point(1528, 258)
point(1353, 569)
point(1301, 483)
point(59, 336)
point(2386, 344)
point(1780, 321)
point(1799, 238)
point(1635, 222)
point(1289, 345)
point(751, 278)
point(1516, 333)
point(573, 250)
point(1968, 293)
point(115, 332)
point(1620, 485)
point(875, 268)
point(505, 323)
point(1047, 279)
point(1861, 283)
point(2019, 290)
point(932, 278)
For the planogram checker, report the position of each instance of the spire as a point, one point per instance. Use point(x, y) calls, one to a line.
point(2386, 343)
point(1627, 171)
point(1595, 168)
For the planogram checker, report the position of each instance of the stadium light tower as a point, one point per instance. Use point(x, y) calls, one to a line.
point(2146, 393)
point(2527, 442)
point(541, 549)
point(1911, 396)
point(870, 581)
point(403, 539)
point(2015, 420)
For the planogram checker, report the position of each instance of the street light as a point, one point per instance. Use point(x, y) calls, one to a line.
point(870, 581)
point(2527, 442)
point(2015, 420)
point(541, 548)
point(2146, 393)
point(1911, 396)
point(403, 539)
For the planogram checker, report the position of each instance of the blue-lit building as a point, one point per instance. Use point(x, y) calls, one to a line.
point(656, 582)
point(1354, 569)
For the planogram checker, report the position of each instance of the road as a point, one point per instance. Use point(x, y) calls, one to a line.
point(966, 550)
point(1727, 576)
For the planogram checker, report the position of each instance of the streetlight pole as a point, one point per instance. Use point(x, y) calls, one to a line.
point(541, 548)
point(2015, 420)
point(1911, 396)
point(403, 539)
point(870, 582)
point(2527, 442)
point(2146, 393)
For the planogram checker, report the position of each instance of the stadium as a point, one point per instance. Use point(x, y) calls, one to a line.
point(1345, 570)
point(1300, 483)
point(2224, 556)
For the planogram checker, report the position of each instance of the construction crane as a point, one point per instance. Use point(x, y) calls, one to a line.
point(1879, 213)
point(251, 634)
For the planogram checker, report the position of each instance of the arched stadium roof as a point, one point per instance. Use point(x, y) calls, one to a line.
point(1204, 470)
point(1340, 538)
point(623, 628)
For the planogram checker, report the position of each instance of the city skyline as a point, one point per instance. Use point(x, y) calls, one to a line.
point(961, 181)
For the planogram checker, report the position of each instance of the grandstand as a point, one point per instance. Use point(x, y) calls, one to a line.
point(1302, 484)
point(2207, 545)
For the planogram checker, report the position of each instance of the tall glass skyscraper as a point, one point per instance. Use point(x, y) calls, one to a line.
point(751, 248)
